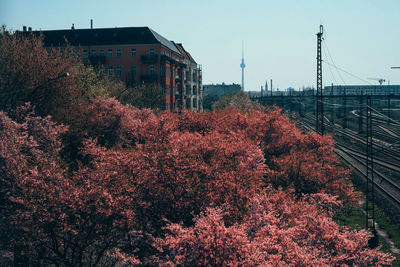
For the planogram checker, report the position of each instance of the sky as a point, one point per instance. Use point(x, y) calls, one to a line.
point(280, 42)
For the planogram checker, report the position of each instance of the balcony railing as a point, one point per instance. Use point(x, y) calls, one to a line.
point(149, 58)
point(164, 58)
point(149, 78)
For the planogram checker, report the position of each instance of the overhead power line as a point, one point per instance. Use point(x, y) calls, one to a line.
point(353, 75)
point(333, 62)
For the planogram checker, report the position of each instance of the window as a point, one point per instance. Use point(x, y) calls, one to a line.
point(85, 53)
point(93, 53)
point(161, 70)
point(167, 71)
point(101, 53)
point(118, 53)
point(77, 54)
point(152, 70)
point(133, 71)
point(118, 71)
point(110, 53)
point(133, 52)
point(151, 51)
point(69, 52)
point(110, 71)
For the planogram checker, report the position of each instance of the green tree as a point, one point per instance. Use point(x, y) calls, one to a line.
point(239, 99)
point(142, 96)
point(97, 84)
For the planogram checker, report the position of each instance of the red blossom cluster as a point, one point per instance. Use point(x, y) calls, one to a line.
point(222, 188)
point(278, 231)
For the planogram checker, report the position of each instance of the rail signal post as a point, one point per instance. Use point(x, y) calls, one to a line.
point(319, 101)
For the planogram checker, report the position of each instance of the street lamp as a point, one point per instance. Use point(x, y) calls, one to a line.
point(62, 75)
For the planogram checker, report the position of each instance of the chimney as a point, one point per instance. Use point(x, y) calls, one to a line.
point(24, 28)
point(91, 24)
point(73, 27)
point(30, 29)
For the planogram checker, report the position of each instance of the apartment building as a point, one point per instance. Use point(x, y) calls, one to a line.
point(136, 55)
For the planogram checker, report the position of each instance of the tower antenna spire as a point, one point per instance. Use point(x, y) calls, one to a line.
point(242, 65)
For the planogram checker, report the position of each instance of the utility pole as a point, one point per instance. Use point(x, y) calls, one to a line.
point(360, 115)
point(332, 108)
point(388, 112)
point(319, 99)
point(344, 124)
point(370, 185)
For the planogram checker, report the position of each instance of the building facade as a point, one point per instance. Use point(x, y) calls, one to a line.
point(135, 55)
point(193, 81)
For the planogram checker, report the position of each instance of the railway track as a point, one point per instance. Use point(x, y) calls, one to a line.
point(361, 155)
point(382, 146)
point(389, 159)
point(385, 185)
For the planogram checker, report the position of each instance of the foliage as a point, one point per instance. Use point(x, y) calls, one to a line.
point(143, 172)
point(96, 83)
point(278, 231)
point(61, 219)
point(208, 101)
point(142, 96)
point(239, 99)
point(28, 72)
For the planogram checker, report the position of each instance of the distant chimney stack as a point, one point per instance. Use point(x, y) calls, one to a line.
point(30, 29)
point(73, 27)
point(91, 24)
point(24, 28)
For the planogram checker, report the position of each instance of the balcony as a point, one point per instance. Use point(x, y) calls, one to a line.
point(164, 58)
point(149, 58)
point(181, 65)
point(149, 78)
point(96, 60)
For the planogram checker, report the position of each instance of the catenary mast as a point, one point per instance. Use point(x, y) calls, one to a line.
point(242, 65)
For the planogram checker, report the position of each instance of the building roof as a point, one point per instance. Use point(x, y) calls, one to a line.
point(165, 42)
point(105, 36)
point(185, 53)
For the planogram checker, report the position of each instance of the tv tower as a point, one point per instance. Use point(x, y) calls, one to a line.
point(242, 65)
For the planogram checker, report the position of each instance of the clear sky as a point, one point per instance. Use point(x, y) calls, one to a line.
point(363, 36)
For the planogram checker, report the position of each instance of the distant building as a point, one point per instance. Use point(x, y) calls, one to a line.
point(362, 89)
point(290, 90)
point(218, 90)
point(136, 55)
